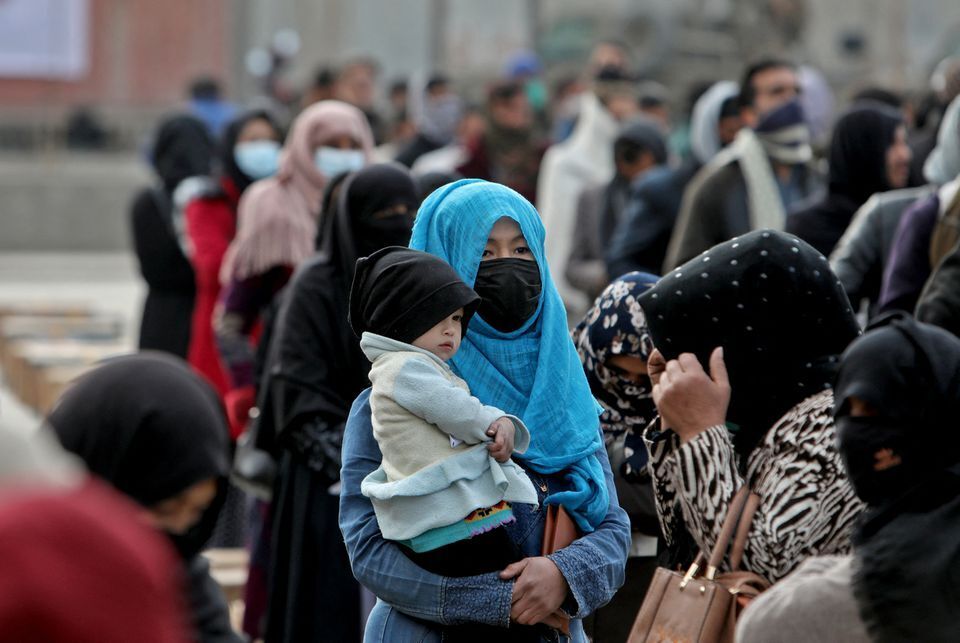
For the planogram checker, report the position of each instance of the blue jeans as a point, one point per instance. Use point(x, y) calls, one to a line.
point(387, 624)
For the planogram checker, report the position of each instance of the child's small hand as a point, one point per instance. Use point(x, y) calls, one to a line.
point(502, 431)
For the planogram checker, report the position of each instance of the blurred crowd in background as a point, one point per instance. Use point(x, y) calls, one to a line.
point(247, 236)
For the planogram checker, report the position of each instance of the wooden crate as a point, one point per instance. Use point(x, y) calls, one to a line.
point(24, 358)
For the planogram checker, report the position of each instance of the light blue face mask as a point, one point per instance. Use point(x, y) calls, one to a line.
point(332, 161)
point(257, 159)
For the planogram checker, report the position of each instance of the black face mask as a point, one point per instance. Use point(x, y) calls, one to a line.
point(510, 292)
point(878, 458)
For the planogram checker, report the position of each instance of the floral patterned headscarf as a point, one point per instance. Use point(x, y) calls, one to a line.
point(616, 326)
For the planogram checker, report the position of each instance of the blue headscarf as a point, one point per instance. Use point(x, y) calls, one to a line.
point(533, 372)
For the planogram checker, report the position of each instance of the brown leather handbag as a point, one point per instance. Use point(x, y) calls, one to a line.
point(703, 608)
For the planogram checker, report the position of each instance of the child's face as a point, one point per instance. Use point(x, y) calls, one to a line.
point(443, 340)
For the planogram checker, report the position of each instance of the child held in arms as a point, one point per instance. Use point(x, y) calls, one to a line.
point(444, 487)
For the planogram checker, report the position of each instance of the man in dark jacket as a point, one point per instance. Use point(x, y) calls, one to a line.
point(764, 171)
point(638, 151)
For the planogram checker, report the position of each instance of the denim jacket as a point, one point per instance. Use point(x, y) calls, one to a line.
point(593, 565)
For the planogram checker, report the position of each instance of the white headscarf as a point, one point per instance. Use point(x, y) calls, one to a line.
point(704, 136)
point(943, 164)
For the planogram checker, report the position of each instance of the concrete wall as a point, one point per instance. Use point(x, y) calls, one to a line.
point(68, 202)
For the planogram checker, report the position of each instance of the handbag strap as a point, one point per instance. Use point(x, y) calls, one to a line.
point(743, 528)
point(726, 531)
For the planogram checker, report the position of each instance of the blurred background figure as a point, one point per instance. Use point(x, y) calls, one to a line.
point(868, 154)
point(182, 150)
point(639, 147)
point(276, 228)
point(356, 84)
point(321, 88)
point(248, 152)
point(438, 110)
point(509, 150)
point(208, 104)
point(582, 160)
point(85, 130)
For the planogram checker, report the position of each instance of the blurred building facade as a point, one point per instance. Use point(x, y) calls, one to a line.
point(139, 55)
point(130, 61)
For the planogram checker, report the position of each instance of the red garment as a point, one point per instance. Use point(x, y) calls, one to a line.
point(211, 223)
point(81, 566)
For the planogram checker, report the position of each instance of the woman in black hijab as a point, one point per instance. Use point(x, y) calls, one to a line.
point(182, 149)
point(154, 430)
point(315, 369)
point(868, 154)
point(897, 404)
point(770, 318)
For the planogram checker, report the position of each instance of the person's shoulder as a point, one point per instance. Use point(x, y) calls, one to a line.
point(146, 199)
point(716, 177)
point(361, 404)
point(809, 422)
point(262, 188)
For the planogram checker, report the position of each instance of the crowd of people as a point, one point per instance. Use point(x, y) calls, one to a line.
point(380, 344)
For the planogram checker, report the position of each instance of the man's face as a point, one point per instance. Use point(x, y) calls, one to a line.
point(512, 113)
point(772, 88)
point(727, 128)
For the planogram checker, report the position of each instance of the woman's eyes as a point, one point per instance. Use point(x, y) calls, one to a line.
point(458, 318)
point(520, 250)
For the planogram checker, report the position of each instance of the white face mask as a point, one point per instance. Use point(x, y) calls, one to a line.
point(332, 161)
point(257, 159)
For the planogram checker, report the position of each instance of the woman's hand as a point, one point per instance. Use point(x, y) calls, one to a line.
point(688, 399)
point(538, 591)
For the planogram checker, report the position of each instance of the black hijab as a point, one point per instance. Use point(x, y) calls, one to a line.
point(858, 169)
point(182, 148)
point(858, 151)
point(228, 163)
point(150, 427)
point(315, 367)
point(773, 304)
point(402, 293)
point(905, 462)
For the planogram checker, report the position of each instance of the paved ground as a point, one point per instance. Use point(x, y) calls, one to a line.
point(108, 282)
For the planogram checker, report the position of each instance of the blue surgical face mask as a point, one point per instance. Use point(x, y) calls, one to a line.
point(257, 159)
point(332, 161)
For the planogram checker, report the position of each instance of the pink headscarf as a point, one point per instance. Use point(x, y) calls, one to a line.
point(277, 217)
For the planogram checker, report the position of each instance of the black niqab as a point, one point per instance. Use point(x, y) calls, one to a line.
point(773, 304)
point(906, 546)
point(228, 162)
point(908, 372)
point(150, 427)
point(182, 148)
point(315, 364)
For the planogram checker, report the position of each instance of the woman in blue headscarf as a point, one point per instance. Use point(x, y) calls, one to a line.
point(517, 355)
